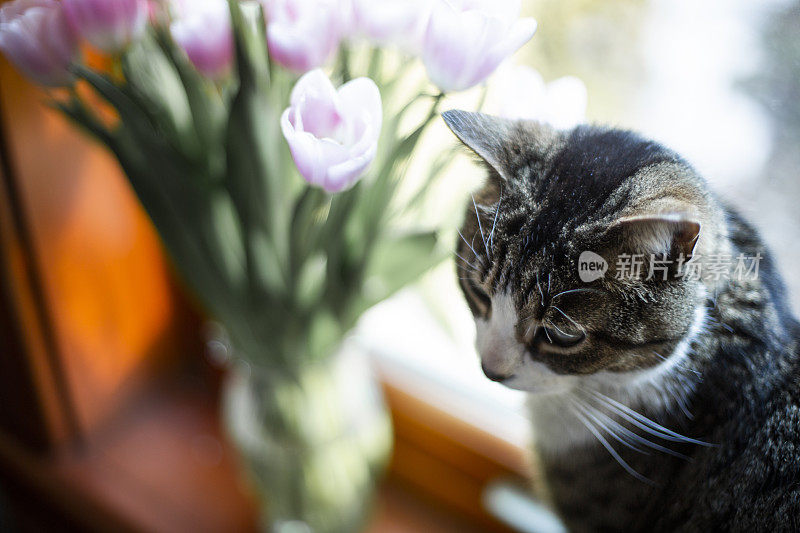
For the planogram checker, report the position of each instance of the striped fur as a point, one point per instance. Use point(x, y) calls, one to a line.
point(657, 404)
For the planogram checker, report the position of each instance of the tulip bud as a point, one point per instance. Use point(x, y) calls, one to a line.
point(304, 34)
point(333, 135)
point(35, 36)
point(392, 22)
point(466, 40)
point(109, 25)
point(203, 29)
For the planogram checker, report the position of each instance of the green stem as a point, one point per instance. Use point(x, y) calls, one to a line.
point(204, 111)
point(383, 189)
point(344, 64)
point(482, 99)
point(375, 63)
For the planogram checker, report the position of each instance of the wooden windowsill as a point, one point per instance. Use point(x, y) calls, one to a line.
point(163, 465)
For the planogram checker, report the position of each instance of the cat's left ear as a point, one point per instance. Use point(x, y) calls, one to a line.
point(667, 233)
point(487, 136)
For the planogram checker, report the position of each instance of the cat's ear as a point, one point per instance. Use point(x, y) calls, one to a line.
point(485, 135)
point(672, 234)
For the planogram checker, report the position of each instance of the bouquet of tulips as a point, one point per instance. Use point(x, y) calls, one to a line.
point(206, 104)
point(274, 178)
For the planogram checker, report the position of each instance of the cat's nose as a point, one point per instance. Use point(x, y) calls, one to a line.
point(493, 375)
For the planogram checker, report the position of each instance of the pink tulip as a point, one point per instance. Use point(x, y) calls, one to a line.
point(203, 29)
point(109, 25)
point(333, 135)
point(392, 22)
point(304, 34)
point(35, 36)
point(466, 40)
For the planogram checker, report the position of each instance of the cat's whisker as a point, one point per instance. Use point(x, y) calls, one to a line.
point(480, 228)
point(494, 224)
point(528, 329)
point(569, 318)
point(677, 364)
point(547, 334)
point(677, 397)
point(562, 331)
point(538, 286)
point(727, 327)
point(588, 411)
point(646, 428)
point(599, 436)
point(644, 423)
point(570, 291)
point(466, 263)
point(680, 401)
point(468, 273)
point(467, 243)
point(712, 320)
point(548, 283)
point(630, 434)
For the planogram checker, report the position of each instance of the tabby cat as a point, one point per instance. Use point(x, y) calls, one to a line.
point(663, 397)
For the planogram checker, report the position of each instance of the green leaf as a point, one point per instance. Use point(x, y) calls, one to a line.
point(376, 202)
point(257, 194)
point(306, 225)
point(252, 59)
point(224, 224)
point(208, 111)
point(398, 261)
point(325, 333)
point(253, 153)
point(342, 269)
point(311, 282)
point(76, 112)
point(441, 162)
point(131, 114)
point(154, 83)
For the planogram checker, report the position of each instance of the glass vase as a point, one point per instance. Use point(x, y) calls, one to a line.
point(314, 444)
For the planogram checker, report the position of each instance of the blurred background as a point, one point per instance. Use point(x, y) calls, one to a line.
point(108, 422)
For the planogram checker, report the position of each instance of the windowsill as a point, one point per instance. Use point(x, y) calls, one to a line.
point(162, 465)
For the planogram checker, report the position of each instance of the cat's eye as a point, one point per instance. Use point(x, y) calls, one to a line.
point(479, 300)
point(559, 338)
point(480, 295)
point(563, 339)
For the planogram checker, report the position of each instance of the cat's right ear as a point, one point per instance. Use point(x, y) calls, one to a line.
point(487, 136)
point(673, 234)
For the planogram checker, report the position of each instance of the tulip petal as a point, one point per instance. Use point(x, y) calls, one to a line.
point(314, 81)
point(35, 36)
point(519, 34)
point(465, 42)
point(315, 98)
point(361, 95)
point(387, 22)
point(303, 34)
point(203, 29)
point(345, 174)
point(332, 135)
point(109, 25)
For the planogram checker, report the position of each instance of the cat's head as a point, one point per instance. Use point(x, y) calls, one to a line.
point(550, 248)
